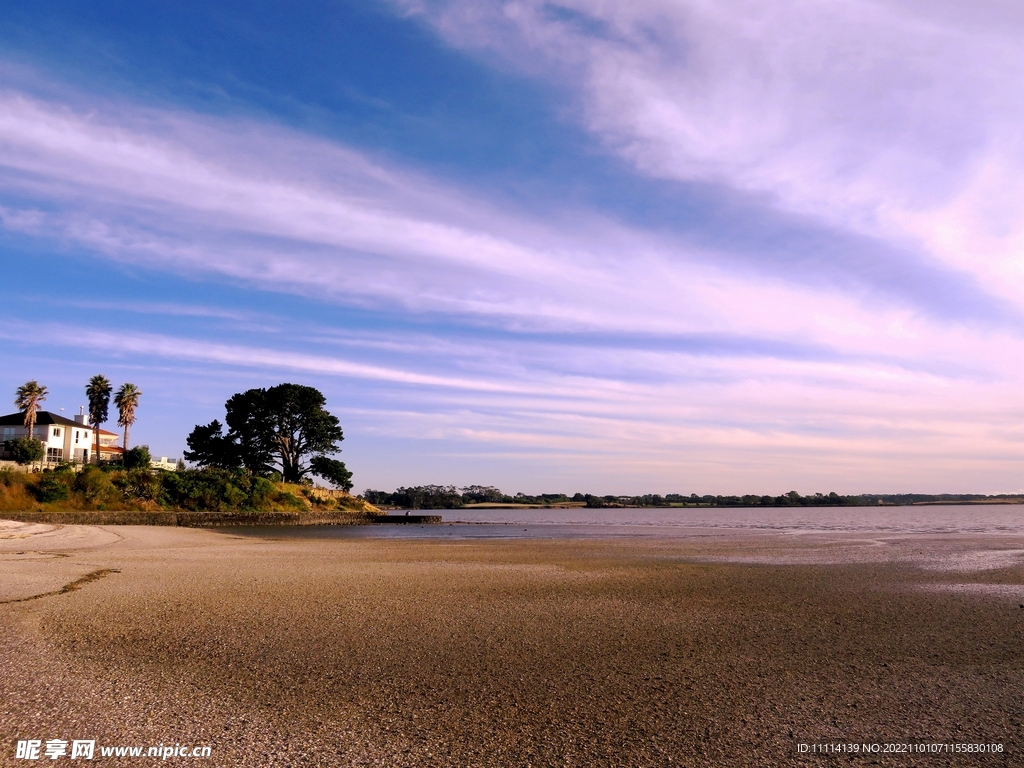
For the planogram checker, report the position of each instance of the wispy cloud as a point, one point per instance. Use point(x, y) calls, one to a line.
point(287, 212)
point(572, 337)
point(160, 346)
point(162, 308)
point(896, 120)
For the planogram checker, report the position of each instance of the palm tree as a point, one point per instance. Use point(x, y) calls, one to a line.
point(127, 400)
point(27, 398)
point(98, 391)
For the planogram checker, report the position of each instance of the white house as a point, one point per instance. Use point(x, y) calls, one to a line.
point(64, 439)
point(71, 440)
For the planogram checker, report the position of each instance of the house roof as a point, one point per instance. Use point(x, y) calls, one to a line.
point(42, 418)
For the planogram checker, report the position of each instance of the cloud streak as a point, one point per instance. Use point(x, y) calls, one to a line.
point(893, 120)
point(870, 324)
point(287, 212)
point(702, 421)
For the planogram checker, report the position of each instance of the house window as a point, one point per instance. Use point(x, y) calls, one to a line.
point(8, 432)
point(56, 432)
point(55, 454)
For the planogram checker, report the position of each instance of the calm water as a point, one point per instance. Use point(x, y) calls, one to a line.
point(666, 523)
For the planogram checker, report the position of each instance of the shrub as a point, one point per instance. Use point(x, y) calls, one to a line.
point(233, 496)
point(137, 484)
point(95, 486)
point(25, 450)
point(51, 489)
point(261, 493)
point(218, 490)
point(9, 479)
point(137, 457)
point(13, 491)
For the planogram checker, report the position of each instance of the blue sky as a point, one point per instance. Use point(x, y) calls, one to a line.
point(551, 246)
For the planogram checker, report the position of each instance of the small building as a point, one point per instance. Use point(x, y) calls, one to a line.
point(170, 465)
point(109, 449)
point(64, 439)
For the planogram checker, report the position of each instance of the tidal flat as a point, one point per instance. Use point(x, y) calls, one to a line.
point(712, 650)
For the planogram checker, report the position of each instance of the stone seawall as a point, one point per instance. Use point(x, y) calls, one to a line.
point(408, 519)
point(188, 519)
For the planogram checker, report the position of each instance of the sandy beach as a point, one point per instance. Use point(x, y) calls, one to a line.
point(724, 650)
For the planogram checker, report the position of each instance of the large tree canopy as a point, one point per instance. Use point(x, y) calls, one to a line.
point(333, 471)
point(210, 447)
point(284, 428)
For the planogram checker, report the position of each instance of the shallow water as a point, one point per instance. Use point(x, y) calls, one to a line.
point(1003, 518)
point(650, 522)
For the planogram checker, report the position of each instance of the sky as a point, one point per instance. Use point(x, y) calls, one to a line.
point(665, 246)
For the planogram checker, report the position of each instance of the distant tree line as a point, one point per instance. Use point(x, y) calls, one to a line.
point(452, 497)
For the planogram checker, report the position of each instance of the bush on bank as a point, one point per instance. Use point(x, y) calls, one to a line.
point(115, 488)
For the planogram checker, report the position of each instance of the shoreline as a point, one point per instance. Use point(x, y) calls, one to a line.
point(186, 519)
point(729, 649)
point(367, 514)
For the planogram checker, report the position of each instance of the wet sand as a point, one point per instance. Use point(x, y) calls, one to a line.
point(715, 650)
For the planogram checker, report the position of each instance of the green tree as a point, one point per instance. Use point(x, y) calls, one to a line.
point(26, 450)
point(476, 494)
point(250, 431)
point(127, 400)
point(98, 391)
point(333, 471)
point(280, 429)
point(210, 447)
point(27, 398)
point(138, 458)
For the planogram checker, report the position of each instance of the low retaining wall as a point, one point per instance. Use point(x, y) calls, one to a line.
point(188, 519)
point(407, 519)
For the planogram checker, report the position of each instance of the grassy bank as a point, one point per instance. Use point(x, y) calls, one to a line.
point(191, 498)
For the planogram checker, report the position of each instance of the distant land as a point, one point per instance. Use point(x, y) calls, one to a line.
point(483, 497)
